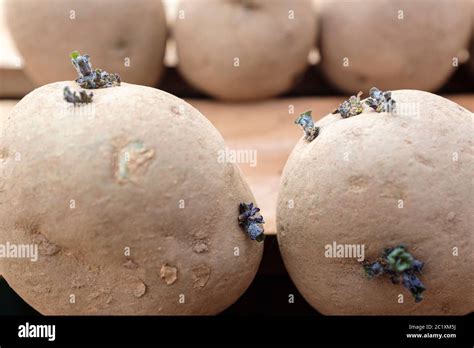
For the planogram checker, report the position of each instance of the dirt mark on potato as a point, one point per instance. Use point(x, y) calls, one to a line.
point(201, 276)
point(169, 274)
point(130, 264)
point(451, 217)
point(100, 296)
point(358, 183)
point(45, 246)
point(392, 190)
point(140, 289)
point(423, 160)
point(177, 110)
point(200, 246)
point(3, 153)
point(132, 161)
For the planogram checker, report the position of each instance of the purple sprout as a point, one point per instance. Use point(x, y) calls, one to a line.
point(251, 221)
point(74, 98)
point(305, 120)
point(399, 265)
point(380, 101)
point(92, 78)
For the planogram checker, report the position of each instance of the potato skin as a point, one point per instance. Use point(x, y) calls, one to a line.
point(77, 157)
point(108, 30)
point(384, 51)
point(272, 49)
point(355, 201)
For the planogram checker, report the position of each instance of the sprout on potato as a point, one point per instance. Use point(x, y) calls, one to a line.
point(398, 263)
point(92, 78)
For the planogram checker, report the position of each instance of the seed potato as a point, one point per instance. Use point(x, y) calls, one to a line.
point(381, 180)
point(130, 208)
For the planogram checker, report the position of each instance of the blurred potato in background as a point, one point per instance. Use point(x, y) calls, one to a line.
point(127, 37)
point(244, 49)
point(393, 44)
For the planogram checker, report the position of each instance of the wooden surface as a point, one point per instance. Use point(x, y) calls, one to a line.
point(268, 128)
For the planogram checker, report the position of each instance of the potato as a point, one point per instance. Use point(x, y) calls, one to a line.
point(126, 36)
point(244, 49)
point(392, 44)
point(127, 202)
point(381, 180)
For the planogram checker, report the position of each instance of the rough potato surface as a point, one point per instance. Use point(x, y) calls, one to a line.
point(382, 180)
point(136, 170)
